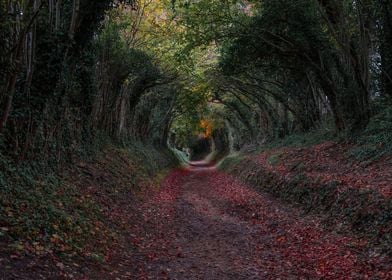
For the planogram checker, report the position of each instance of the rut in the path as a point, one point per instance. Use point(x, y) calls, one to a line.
point(204, 224)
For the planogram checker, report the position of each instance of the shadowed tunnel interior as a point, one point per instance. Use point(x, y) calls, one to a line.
point(195, 139)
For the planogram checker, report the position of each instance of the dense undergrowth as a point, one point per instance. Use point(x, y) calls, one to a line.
point(376, 140)
point(67, 211)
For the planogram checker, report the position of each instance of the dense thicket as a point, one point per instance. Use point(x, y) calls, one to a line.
point(69, 74)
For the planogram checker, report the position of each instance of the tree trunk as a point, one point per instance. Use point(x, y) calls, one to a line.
point(74, 20)
point(58, 15)
point(386, 47)
point(19, 41)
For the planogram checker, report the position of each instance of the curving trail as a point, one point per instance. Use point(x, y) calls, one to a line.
point(203, 224)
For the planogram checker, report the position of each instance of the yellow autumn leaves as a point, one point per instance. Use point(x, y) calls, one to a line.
point(207, 128)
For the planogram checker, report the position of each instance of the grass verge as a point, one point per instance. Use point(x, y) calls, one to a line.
point(363, 212)
point(44, 211)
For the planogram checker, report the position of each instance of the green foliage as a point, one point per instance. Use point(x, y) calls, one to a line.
point(304, 139)
point(376, 140)
point(230, 161)
point(37, 209)
point(191, 107)
point(42, 211)
point(122, 61)
point(182, 156)
point(208, 21)
point(274, 159)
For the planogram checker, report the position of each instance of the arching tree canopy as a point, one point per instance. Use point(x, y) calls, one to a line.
point(157, 70)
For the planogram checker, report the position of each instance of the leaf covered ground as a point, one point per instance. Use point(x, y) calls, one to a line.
point(330, 161)
point(55, 225)
point(202, 224)
point(350, 195)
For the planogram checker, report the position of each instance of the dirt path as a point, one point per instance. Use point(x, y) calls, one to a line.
point(204, 224)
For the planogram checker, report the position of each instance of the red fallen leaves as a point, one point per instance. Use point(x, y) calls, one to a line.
point(304, 240)
point(136, 241)
point(328, 162)
point(205, 223)
point(279, 243)
point(281, 239)
point(152, 256)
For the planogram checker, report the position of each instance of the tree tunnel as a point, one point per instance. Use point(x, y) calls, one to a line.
point(149, 71)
